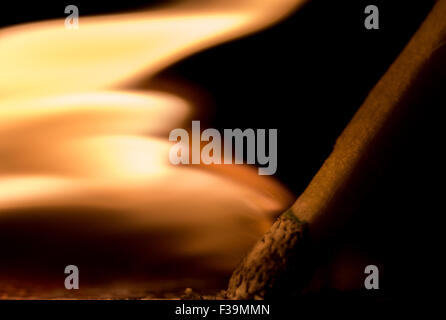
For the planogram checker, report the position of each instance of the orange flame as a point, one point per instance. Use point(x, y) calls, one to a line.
point(70, 139)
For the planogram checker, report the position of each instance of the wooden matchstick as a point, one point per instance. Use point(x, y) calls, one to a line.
point(278, 260)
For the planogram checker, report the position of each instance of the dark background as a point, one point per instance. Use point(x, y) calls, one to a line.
point(306, 77)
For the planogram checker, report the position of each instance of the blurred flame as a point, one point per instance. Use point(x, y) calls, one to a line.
point(44, 57)
point(69, 138)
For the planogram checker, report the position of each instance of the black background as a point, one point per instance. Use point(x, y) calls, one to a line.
point(305, 76)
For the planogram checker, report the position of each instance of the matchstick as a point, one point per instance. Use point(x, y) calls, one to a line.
point(277, 262)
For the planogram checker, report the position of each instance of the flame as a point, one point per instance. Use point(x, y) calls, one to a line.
point(45, 57)
point(74, 135)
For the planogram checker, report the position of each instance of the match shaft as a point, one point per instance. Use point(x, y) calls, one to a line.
point(279, 258)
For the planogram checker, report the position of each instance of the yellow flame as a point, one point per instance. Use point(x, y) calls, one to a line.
point(69, 138)
point(46, 57)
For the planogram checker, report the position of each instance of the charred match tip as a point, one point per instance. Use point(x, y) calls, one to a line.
point(258, 274)
point(280, 258)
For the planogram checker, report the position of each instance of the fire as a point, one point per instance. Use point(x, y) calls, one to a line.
point(73, 135)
